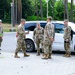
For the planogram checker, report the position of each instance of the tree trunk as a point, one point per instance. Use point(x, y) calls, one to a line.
point(71, 12)
point(66, 16)
point(15, 7)
point(36, 8)
point(19, 12)
point(53, 1)
point(13, 14)
point(41, 10)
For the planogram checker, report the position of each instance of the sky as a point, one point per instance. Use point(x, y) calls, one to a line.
point(70, 1)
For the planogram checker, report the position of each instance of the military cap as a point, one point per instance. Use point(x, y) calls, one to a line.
point(66, 20)
point(23, 20)
point(49, 17)
point(0, 21)
point(38, 23)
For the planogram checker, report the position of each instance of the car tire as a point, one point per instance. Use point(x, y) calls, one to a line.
point(74, 47)
point(29, 45)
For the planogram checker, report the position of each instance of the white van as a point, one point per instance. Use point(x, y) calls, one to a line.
point(58, 44)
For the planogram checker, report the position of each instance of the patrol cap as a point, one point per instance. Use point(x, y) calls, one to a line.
point(0, 21)
point(38, 23)
point(23, 20)
point(49, 17)
point(66, 20)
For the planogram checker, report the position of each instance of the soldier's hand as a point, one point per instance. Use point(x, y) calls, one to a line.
point(51, 39)
point(27, 32)
point(16, 35)
point(67, 40)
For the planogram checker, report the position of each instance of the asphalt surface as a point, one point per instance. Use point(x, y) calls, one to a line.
point(32, 65)
point(9, 42)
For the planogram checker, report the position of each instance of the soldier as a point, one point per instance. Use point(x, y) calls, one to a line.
point(21, 35)
point(67, 38)
point(1, 33)
point(48, 38)
point(38, 36)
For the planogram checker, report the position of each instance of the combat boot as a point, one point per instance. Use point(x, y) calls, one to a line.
point(16, 56)
point(38, 54)
point(45, 56)
point(26, 55)
point(49, 56)
point(65, 55)
point(68, 55)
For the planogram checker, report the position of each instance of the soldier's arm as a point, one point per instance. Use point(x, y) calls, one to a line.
point(68, 33)
point(51, 32)
point(1, 32)
point(20, 31)
point(52, 35)
point(34, 32)
point(43, 31)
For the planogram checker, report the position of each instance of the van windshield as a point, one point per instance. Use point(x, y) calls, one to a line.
point(31, 26)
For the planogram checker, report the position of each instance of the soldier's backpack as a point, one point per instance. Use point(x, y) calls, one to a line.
point(71, 34)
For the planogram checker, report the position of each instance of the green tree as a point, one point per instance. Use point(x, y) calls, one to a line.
point(71, 12)
point(59, 10)
point(4, 9)
point(27, 9)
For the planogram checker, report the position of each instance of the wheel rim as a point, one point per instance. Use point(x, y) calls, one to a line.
point(29, 45)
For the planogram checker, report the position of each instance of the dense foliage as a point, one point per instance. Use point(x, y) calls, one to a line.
point(31, 10)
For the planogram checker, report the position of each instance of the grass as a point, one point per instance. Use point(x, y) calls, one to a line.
point(7, 27)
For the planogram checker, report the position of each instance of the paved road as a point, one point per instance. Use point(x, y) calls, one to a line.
point(9, 42)
point(34, 65)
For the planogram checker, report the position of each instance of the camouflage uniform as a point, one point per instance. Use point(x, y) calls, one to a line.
point(48, 33)
point(67, 39)
point(38, 36)
point(1, 33)
point(21, 41)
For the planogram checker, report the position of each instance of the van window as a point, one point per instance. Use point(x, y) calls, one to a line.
point(30, 26)
point(43, 25)
point(59, 27)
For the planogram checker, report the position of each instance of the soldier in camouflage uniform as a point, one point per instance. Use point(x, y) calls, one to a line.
point(48, 38)
point(1, 33)
point(38, 36)
point(67, 38)
point(21, 35)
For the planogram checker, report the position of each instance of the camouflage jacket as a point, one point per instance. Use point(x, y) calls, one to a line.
point(38, 33)
point(1, 31)
point(67, 33)
point(49, 31)
point(21, 32)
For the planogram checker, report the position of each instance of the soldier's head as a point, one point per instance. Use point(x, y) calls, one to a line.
point(66, 22)
point(23, 21)
point(0, 22)
point(38, 25)
point(49, 19)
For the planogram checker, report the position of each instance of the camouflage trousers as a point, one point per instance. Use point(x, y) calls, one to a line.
point(47, 47)
point(38, 42)
point(67, 47)
point(21, 45)
point(1, 41)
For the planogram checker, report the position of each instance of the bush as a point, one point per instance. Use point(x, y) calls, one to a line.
point(33, 18)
